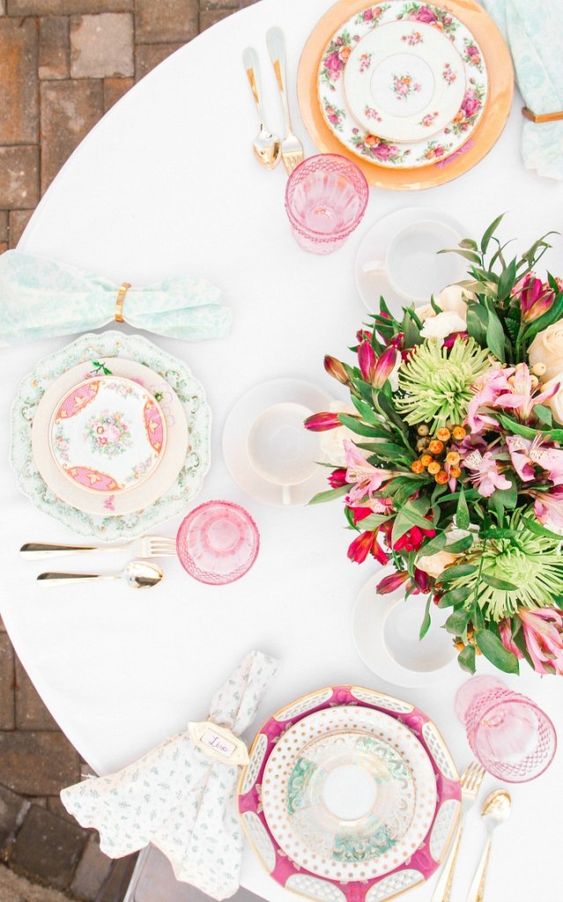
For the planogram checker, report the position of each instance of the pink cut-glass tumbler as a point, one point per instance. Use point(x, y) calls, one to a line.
point(218, 542)
point(326, 198)
point(512, 738)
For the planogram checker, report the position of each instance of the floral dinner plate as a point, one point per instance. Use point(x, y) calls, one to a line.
point(173, 495)
point(318, 751)
point(363, 139)
point(107, 434)
point(349, 793)
point(147, 491)
point(405, 81)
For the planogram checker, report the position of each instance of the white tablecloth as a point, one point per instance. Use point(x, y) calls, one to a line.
point(166, 183)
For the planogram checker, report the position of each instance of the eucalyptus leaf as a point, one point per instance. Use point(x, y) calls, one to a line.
point(426, 620)
point(366, 412)
point(433, 546)
point(457, 572)
point(457, 622)
point(455, 596)
point(357, 426)
point(489, 232)
point(496, 339)
point(496, 583)
point(466, 659)
point(330, 495)
point(477, 322)
point(544, 414)
point(462, 512)
point(493, 649)
point(539, 530)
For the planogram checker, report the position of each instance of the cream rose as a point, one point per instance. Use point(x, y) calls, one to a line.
point(547, 348)
point(555, 403)
point(435, 564)
point(452, 299)
point(443, 324)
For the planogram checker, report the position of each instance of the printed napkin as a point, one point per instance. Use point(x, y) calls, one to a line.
point(532, 29)
point(41, 298)
point(179, 798)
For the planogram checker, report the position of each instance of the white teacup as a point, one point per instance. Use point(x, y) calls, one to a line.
point(280, 448)
point(413, 265)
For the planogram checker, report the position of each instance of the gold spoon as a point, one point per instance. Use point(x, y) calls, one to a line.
point(267, 146)
point(496, 809)
point(137, 575)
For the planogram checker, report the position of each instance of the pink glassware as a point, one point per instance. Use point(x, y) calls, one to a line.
point(325, 199)
point(513, 739)
point(218, 542)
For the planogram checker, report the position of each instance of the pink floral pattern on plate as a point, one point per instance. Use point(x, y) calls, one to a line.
point(404, 86)
point(368, 145)
point(282, 869)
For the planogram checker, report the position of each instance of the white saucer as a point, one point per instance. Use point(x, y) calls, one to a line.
point(372, 285)
point(235, 440)
point(385, 630)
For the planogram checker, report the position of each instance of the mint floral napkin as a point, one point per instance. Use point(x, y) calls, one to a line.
point(533, 29)
point(42, 298)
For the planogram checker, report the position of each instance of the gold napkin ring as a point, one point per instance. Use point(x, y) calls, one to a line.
point(541, 117)
point(120, 301)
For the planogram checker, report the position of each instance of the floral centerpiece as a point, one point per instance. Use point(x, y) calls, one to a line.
point(452, 457)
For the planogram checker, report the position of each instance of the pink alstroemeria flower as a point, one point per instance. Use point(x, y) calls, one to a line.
point(520, 395)
point(486, 475)
point(487, 388)
point(526, 453)
point(367, 479)
point(543, 634)
point(505, 630)
point(548, 507)
point(376, 370)
point(536, 297)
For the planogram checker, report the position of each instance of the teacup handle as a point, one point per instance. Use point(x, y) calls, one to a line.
point(374, 266)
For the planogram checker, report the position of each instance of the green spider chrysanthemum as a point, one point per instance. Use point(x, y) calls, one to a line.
point(436, 382)
point(531, 564)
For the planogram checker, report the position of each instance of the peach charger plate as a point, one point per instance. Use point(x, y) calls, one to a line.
point(483, 138)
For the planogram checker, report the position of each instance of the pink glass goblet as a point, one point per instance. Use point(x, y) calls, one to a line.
point(512, 738)
point(325, 199)
point(218, 542)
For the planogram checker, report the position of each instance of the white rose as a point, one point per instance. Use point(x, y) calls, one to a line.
point(547, 348)
point(452, 299)
point(442, 325)
point(555, 403)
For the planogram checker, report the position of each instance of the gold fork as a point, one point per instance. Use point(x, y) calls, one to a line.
point(292, 152)
point(471, 780)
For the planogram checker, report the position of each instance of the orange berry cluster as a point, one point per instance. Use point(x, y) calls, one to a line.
point(438, 451)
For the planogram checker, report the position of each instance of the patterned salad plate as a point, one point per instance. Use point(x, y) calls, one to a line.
point(349, 794)
point(444, 153)
point(146, 490)
point(172, 483)
point(108, 434)
point(404, 81)
point(402, 84)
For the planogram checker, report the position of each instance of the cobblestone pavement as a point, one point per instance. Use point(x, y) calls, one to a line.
point(63, 63)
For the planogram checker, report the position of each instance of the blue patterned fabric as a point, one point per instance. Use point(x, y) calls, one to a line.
point(533, 29)
point(42, 298)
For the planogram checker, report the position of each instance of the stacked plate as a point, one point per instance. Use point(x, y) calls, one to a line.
point(110, 435)
point(405, 86)
point(349, 794)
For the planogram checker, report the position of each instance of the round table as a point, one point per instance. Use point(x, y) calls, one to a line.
point(166, 183)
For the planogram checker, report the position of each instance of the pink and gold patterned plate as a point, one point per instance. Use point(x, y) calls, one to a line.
point(108, 434)
point(306, 825)
point(130, 407)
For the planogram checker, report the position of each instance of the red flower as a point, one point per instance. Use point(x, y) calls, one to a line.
point(321, 422)
point(413, 539)
point(360, 513)
point(366, 360)
point(338, 478)
point(366, 543)
point(391, 582)
point(336, 369)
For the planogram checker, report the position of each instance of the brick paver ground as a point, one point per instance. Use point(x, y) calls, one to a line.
point(63, 63)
